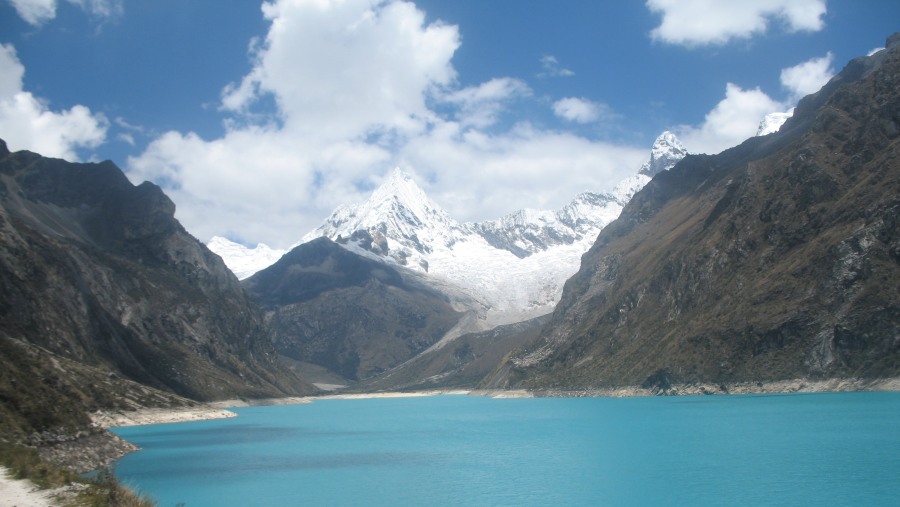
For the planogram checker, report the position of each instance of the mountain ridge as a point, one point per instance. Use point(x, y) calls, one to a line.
point(97, 272)
point(773, 260)
point(353, 315)
point(513, 267)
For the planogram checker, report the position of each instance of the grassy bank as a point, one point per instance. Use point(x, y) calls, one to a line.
point(104, 490)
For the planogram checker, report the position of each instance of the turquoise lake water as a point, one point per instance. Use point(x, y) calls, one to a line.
point(796, 450)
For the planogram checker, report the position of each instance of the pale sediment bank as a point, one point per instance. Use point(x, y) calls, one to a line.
point(145, 416)
point(770, 387)
point(218, 409)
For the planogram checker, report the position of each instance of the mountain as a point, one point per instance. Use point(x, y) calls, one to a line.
point(352, 315)
point(514, 267)
point(461, 363)
point(243, 261)
point(666, 151)
point(772, 123)
point(96, 274)
point(776, 259)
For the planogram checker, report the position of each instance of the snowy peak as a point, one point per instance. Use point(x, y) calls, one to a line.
point(513, 267)
point(243, 261)
point(398, 220)
point(401, 196)
point(667, 151)
point(773, 122)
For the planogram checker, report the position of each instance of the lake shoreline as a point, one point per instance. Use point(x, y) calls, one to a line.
point(102, 447)
point(219, 409)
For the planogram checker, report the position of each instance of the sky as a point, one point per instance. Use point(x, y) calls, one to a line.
point(258, 118)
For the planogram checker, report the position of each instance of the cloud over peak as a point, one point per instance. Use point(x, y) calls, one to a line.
point(27, 123)
point(359, 87)
point(807, 77)
point(736, 117)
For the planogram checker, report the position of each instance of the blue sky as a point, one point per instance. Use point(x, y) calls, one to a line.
point(258, 119)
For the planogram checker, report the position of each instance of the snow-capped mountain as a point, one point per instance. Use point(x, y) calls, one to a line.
point(398, 222)
point(243, 261)
point(516, 265)
point(667, 150)
point(513, 267)
point(773, 122)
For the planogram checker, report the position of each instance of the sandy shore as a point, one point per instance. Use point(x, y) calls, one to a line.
point(114, 419)
point(219, 409)
point(22, 493)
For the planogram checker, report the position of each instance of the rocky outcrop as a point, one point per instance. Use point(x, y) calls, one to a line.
point(776, 259)
point(96, 272)
point(355, 316)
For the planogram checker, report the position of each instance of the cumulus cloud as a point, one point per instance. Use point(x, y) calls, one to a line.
point(344, 69)
point(733, 120)
point(700, 22)
point(579, 110)
point(478, 175)
point(37, 12)
point(807, 77)
point(359, 87)
point(737, 117)
point(27, 123)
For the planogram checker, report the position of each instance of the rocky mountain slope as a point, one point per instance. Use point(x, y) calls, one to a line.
point(776, 259)
point(352, 315)
point(96, 272)
point(461, 363)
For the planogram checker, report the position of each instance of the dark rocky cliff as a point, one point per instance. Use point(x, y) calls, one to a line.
point(97, 271)
point(776, 259)
point(356, 317)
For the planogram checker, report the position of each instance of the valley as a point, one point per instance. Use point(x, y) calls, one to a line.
point(773, 266)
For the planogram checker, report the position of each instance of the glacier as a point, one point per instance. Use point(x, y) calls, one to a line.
point(500, 271)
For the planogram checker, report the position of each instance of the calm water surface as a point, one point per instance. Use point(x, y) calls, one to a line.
point(802, 449)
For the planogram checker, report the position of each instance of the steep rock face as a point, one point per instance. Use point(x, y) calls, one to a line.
point(98, 271)
point(354, 316)
point(777, 259)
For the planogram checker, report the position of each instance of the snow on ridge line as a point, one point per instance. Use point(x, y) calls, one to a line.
point(400, 224)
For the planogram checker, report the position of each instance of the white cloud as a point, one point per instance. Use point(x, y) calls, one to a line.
point(37, 12)
point(699, 22)
point(361, 86)
point(552, 68)
point(480, 105)
point(347, 68)
point(734, 119)
point(737, 117)
point(479, 176)
point(579, 110)
point(27, 123)
point(807, 77)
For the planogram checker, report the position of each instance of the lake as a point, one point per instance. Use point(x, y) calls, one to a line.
point(798, 449)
